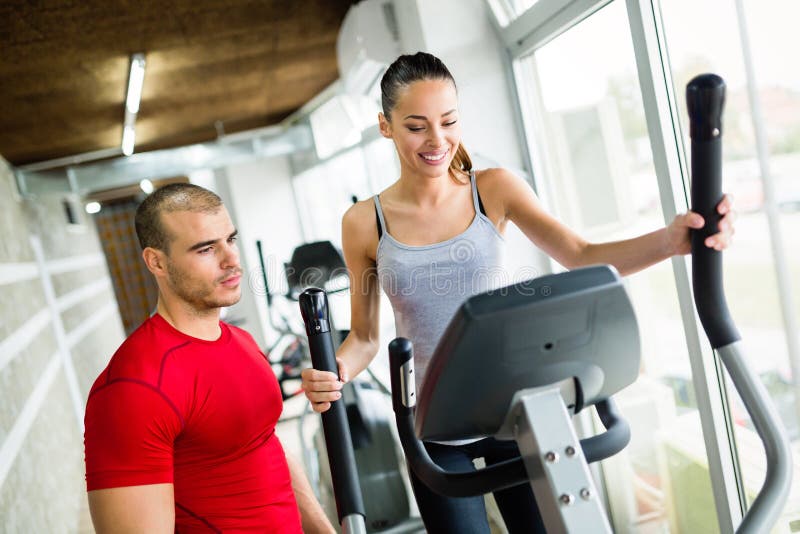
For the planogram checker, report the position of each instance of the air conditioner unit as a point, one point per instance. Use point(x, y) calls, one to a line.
point(368, 41)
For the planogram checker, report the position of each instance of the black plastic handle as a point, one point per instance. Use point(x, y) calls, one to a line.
point(344, 474)
point(705, 99)
point(452, 484)
point(614, 439)
point(498, 476)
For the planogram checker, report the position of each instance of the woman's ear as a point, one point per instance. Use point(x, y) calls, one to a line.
point(384, 125)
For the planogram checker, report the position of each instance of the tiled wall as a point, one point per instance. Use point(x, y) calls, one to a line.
point(45, 376)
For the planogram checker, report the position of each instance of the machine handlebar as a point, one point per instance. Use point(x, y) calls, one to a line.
point(495, 477)
point(705, 98)
point(341, 456)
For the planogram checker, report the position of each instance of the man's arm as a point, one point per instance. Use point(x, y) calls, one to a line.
point(134, 509)
point(311, 513)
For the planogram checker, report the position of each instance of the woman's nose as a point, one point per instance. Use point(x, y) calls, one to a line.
point(436, 137)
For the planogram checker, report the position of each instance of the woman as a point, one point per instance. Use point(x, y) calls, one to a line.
point(431, 237)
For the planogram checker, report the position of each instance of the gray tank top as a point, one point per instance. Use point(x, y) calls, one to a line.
point(426, 284)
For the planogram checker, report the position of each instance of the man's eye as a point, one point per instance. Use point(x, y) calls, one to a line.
point(204, 250)
point(232, 239)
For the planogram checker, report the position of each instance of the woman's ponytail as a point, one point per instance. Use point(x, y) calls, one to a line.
point(461, 164)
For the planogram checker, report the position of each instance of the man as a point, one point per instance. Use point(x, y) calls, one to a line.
point(180, 425)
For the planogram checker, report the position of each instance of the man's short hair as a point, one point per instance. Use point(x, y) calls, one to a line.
point(167, 199)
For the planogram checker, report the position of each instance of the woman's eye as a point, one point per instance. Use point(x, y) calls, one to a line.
point(415, 128)
point(450, 123)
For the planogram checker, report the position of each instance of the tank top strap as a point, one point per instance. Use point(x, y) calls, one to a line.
point(476, 201)
point(379, 213)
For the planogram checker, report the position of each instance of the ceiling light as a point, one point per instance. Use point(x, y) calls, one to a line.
point(128, 139)
point(147, 186)
point(93, 207)
point(135, 82)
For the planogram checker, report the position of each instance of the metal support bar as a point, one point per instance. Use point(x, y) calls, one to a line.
point(663, 129)
point(565, 492)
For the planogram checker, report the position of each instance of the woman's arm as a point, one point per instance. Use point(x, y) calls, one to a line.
point(359, 242)
point(514, 199)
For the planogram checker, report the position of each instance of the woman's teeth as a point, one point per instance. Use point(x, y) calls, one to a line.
point(436, 157)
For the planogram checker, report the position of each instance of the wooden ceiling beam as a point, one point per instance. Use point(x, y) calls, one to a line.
point(64, 69)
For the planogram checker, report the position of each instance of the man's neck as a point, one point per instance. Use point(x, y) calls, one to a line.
point(202, 325)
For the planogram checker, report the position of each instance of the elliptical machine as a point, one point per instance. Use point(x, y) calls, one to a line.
point(574, 347)
point(555, 345)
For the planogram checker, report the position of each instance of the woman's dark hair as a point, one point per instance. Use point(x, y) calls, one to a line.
point(410, 68)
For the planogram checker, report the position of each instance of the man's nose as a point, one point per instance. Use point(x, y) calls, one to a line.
point(231, 257)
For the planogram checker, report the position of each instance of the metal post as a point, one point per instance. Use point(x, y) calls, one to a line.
point(559, 475)
point(783, 279)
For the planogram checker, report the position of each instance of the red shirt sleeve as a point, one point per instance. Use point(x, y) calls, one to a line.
point(130, 429)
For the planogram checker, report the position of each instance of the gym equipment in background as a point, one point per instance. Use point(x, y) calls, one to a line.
point(288, 354)
point(380, 469)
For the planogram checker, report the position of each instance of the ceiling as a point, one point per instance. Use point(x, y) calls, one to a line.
point(213, 67)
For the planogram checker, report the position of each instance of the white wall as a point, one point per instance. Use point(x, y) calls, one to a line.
point(263, 208)
point(461, 34)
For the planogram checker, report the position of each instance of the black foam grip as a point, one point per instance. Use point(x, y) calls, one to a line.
point(341, 456)
point(705, 98)
point(614, 439)
point(400, 351)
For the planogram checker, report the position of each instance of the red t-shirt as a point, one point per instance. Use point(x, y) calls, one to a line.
point(170, 408)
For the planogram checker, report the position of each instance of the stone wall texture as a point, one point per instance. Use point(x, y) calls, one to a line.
point(42, 485)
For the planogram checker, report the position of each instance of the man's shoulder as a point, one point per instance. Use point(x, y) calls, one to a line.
point(242, 337)
point(140, 356)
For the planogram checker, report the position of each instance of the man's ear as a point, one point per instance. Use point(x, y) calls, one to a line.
point(384, 125)
point(155, 260)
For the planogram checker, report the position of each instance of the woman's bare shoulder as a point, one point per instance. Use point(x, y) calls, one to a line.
point(359, 226)
point(495, 176)
point(499, 184)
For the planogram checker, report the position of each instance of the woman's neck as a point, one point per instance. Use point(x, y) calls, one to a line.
point(423, 190)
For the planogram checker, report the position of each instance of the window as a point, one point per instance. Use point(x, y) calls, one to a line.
point(753, 289)
point(597, 172)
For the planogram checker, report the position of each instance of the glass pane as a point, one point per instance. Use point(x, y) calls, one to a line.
point(600, 179)
point(750, 280)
